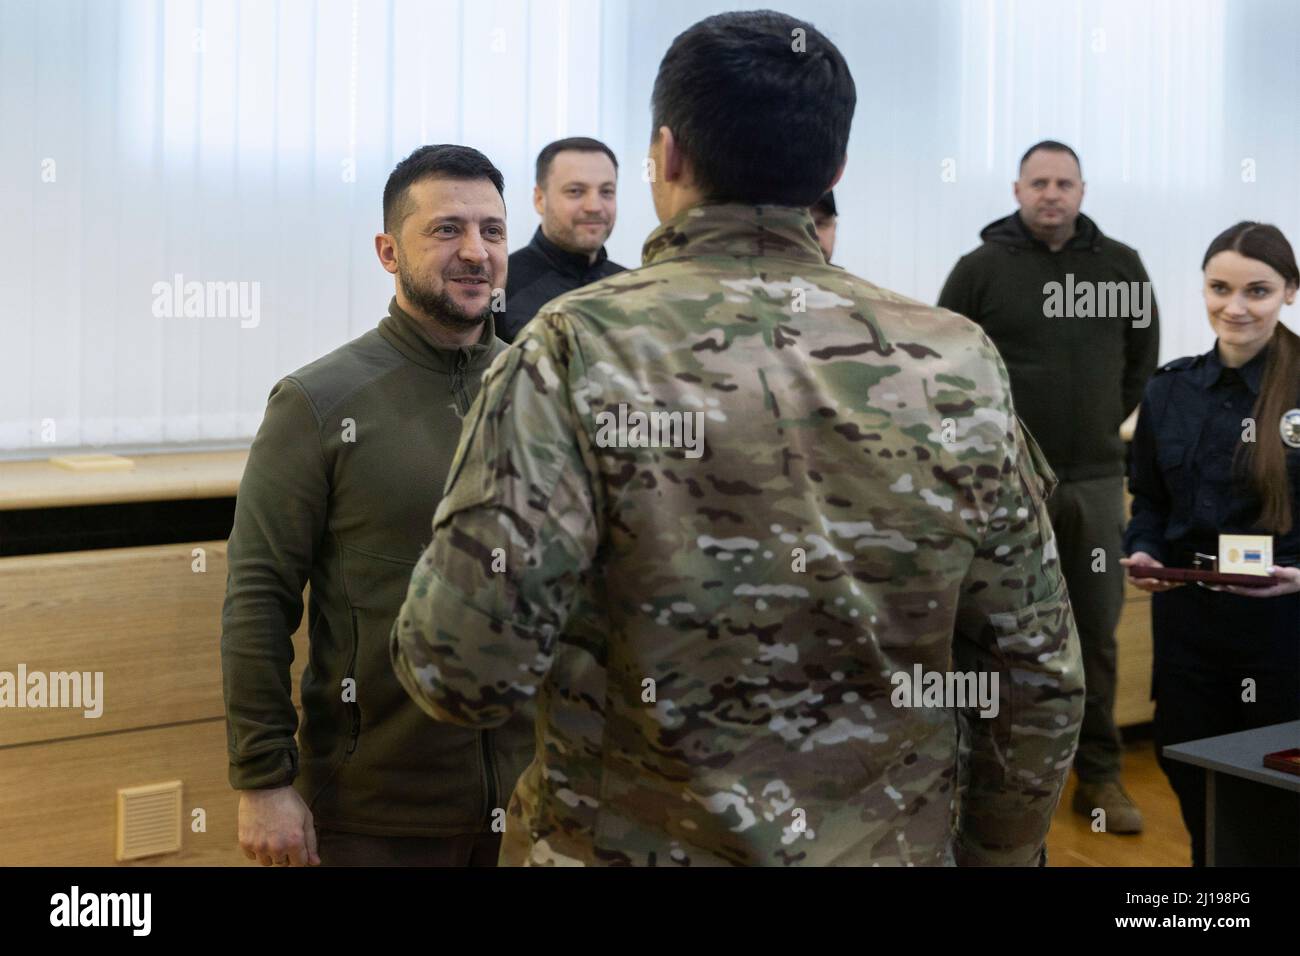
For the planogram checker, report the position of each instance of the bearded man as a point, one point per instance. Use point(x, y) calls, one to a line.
point(340, 489)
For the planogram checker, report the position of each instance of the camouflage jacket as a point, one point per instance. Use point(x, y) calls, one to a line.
point(714, 630)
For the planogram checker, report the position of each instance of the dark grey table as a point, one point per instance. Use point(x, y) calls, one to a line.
point(1252, 813)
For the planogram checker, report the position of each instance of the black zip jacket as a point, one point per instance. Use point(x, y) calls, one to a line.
point(538, 273)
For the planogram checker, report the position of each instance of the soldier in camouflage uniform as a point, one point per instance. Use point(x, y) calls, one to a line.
point(712, 641)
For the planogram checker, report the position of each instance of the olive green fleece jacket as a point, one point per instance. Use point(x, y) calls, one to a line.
point(340, 489)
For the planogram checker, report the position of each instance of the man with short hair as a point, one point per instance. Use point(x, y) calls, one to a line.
point(341, 482)
point(1072, 312)
point(716, 512)
point(825, 217)
point(576, 194)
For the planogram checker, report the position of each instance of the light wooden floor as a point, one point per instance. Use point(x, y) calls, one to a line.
point(1164, 842)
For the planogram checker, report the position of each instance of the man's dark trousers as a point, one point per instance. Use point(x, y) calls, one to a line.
point(337, 848)
point(1089, 515)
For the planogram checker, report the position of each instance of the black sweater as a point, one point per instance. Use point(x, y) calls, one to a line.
point(538, 273)
point(1074, 378)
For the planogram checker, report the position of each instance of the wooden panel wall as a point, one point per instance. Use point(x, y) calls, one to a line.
point(152, 624)
point(1133, 704)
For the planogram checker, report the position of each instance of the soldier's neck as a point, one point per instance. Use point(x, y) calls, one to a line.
point(678, 199)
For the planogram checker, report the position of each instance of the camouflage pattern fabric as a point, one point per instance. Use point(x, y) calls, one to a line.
point(711, 640)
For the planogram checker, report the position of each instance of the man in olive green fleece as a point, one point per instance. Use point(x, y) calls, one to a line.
point(340, 488)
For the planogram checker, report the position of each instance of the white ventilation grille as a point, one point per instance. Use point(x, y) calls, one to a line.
point(148, 820)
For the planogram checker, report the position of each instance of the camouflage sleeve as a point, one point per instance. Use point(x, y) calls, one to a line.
point(1014, 621)
point(513, 533)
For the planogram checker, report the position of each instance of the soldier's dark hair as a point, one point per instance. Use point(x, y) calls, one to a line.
point(760, 104)
point(583, 144)
point(1051, 146)
point(825, 206)
point(444, 161)
point(1277, 390)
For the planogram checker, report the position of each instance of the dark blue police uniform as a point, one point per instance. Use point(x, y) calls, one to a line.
point(1189, 485)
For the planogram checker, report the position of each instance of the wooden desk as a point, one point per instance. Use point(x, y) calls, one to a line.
point(39, 484)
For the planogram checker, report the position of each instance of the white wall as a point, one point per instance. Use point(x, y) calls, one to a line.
point(141, 139)
point(244, 140)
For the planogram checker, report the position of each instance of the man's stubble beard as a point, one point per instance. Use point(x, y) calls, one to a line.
point(566, 237)
point(439, 306)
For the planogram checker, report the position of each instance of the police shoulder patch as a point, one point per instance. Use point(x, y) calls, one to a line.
point(1290, 427)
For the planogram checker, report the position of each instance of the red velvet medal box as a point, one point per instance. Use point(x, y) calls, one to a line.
point(1288, 761)
point(1209, 577)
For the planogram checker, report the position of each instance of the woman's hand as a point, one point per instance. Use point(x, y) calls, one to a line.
point(1140, 559)
point(1288, 583)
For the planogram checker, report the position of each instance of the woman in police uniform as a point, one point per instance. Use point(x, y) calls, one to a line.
point(1217, 450)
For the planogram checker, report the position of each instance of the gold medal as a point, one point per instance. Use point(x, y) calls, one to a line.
point(1290, 427)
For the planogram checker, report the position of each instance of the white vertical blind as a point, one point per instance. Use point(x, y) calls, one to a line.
point(243, 141)
point(1136, 88)
point(248, 141)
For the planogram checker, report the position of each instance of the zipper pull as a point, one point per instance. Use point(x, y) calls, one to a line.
point(458, 382)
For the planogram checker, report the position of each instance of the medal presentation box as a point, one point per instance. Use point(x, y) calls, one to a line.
point(1197, 575)
point(1287, 761)
point(1242, 562)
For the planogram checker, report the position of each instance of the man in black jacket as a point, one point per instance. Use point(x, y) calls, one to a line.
point(576, 196)
point(1073, 314)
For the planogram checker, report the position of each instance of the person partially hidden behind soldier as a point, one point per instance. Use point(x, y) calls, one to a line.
point(1076, 374)
point(825, 219)
point(576, 194)
point(716, 512)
